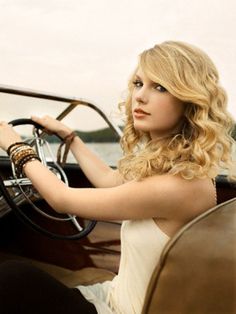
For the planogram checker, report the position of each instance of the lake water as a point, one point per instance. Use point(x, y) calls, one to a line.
point(109, 152)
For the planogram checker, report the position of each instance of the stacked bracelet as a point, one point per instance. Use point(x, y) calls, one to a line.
point(14, 146)
point(21, 153)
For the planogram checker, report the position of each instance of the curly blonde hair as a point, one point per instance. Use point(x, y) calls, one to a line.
point(204, 145)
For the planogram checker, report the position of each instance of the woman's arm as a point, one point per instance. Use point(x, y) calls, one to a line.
point(159, 196)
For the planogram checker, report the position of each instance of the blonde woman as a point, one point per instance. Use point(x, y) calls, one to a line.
point(176, 140)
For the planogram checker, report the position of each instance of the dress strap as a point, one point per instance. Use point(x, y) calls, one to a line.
point(215, 189)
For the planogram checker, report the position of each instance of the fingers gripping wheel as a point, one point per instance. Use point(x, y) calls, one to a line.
point(19, 194)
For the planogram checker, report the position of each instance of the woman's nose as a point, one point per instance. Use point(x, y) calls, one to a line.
point(141, 96)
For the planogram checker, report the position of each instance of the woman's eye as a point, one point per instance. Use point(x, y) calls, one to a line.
point(137, 83)
point(160, 88)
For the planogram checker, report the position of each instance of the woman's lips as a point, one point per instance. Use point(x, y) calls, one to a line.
point(139, 113)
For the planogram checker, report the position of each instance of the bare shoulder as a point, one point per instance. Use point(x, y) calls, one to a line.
point(187, 198)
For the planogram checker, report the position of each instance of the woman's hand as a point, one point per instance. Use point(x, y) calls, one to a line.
point(8, 135)
point(53, 125)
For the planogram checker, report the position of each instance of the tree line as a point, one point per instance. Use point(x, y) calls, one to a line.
point(105, 135)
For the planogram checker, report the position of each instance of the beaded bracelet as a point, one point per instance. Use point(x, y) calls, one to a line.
point(31, 159)
point(17, 149)
point(21, 160)
point(20, 153)
point(67, 142)
point(25, 161)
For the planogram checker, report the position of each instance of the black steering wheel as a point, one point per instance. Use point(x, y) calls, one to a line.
point(22, 191)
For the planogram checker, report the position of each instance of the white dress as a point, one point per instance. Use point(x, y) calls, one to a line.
point(141, 245)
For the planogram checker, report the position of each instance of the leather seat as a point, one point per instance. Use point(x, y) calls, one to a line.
point(197, 270)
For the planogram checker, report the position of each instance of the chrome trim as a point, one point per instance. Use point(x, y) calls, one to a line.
point(16, 182)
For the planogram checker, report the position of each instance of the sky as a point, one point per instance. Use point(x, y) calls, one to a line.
point(88, 49)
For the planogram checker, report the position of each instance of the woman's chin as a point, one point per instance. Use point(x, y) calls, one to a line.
point(140, 127)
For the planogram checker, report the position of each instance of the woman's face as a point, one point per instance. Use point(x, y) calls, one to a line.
point(154, 109)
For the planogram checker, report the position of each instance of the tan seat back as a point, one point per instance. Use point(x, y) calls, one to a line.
point(197, 269)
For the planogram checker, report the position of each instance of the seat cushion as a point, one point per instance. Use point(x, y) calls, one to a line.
point(197, 270)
